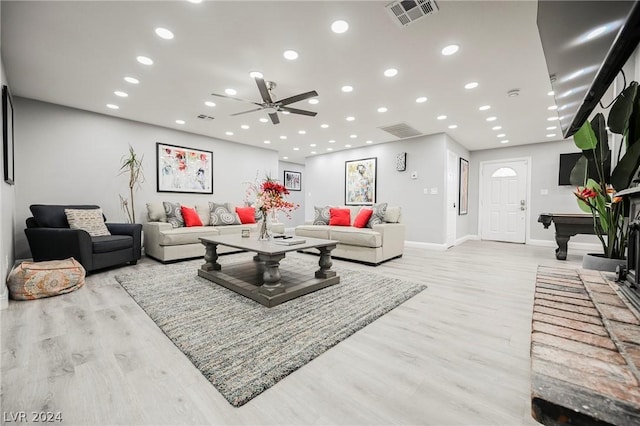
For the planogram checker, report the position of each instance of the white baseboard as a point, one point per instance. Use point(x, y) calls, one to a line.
point(429, 246)
point(590, 247)
point(466, 238)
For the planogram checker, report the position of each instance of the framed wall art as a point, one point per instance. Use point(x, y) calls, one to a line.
point(463, 202)
point(401, 161)
point(360, 182)
point(181, 169)
point(293, 180)
point(7, 136)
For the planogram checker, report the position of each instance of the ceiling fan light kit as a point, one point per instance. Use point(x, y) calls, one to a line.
point(273, 107)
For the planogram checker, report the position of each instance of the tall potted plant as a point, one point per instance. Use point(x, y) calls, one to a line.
point(131, 164)
point(596, 185)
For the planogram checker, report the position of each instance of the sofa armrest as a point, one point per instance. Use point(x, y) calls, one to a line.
point(393, 235)
point(60, 243)
point(132, 229)
point(152, 232)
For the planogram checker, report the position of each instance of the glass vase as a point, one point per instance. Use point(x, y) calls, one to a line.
point(264, 228)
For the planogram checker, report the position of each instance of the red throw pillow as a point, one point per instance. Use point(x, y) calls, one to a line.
point(190, 216)
point(339, 217)
point(246, 214)
point(363, 218)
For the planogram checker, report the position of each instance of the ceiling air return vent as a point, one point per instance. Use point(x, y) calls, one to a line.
point(204, 117)
point(405, 13)
point(401, 130)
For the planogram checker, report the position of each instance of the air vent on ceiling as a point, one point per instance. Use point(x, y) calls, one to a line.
point(407, 12)
point(401, 130)
point(205, 117)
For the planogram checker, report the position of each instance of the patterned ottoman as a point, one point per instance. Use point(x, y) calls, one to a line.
point(35, 280)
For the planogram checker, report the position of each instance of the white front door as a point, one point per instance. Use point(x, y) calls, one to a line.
point(503, 201)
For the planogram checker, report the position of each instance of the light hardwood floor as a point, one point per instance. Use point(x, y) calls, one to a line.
point(456, 354)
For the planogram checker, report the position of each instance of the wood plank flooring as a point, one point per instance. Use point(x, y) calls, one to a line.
point(456, 354)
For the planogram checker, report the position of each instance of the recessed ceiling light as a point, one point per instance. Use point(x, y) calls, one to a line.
point(312, 145)
point(267, 142)
point(350, 118)
point(347, 146)
point(484, 107)
point(230, 92)
point(552, 107)
point(550, 135)
point(302, 132)
point(505, 141)
point(210, 104)
point(256, 74)
point(113, 106)
point(228, 133)
point(450, 49)
point(144, 60)
point(391, 72)
point(313, 152)
point(295, 148)
point(551, 93)
point(329, 149)
point(382, 109)
point(496, 128)
point(324, 126)
point(453, 126)
point(500, 135)
point(332, 141)
point(353, 136)
point(492, 118)
point(441, 117)
point(421, 99)
point(283, 137)
point(244, 127)
point(164, 33)
point(339, 26)
point(180, 121)
point(313, 101)
point(347, 89)
point(471, 85)
point(195, 1)
point(285, 158)
point(263, 120)
point(552, 118)
point(131, 80)
point(290, 55)
point(285, 112)
point(121, 93)
point(369, 142)
point(551, 127)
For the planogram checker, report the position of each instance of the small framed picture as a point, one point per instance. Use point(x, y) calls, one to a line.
point(401, 162)
point(245, 233)
point(293, 180)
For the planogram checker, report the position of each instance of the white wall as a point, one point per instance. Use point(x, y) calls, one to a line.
point(297, 216)
point(70, 156)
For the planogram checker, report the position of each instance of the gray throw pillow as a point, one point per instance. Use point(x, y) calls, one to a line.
point(221, 216)
point(321, 215)
point(174, 214)
point(377, 217)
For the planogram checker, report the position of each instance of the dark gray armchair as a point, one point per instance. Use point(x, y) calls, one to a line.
point(50, 238)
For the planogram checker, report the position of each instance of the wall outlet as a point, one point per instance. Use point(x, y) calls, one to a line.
point(425, 191)
point(434, 191)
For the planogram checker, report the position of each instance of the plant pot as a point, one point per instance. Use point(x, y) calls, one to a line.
point(598, 262)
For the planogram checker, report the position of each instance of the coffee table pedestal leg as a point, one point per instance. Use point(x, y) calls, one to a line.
point(325, 263)
point(271, 275)
point(211, 258)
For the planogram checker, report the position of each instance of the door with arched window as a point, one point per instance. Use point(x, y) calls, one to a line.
point(503, 201)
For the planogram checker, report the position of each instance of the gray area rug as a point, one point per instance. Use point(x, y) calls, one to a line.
point(244, 348)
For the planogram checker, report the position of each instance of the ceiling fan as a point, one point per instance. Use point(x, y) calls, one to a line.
point(273, 107)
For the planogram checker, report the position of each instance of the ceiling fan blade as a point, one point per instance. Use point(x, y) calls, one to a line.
point(264, 92)
point(299, 111)
point(274, 118)
point(236, 99)
point(297, 98)
point(245, 112)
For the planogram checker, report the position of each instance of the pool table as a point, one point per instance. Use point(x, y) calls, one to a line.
point(567, 225)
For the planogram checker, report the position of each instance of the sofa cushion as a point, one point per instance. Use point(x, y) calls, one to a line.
point(221, 215)
point(109, 243)
point(205, 213)
point(377, 217)
point(179, 236)
point(53, 216)
point(313, 231)
point(90, 220)
point(363, 217)
point(392, 214)
point(190, 216)
point(363, 237)
point(155, 212)
point(339, 217)
point(174, 214)
point(246, 214)
point(321, 215)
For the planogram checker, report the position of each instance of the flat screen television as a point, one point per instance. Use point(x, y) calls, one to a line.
point(585, 44)
point(567, 162)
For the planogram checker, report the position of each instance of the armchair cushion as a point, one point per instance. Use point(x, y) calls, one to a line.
point(109, 243)
point(90, 220)
point(53, 216)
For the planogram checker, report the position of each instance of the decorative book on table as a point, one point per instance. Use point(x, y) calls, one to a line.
point(289, 241)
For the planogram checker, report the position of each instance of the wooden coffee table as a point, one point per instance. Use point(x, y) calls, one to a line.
point(263, 279)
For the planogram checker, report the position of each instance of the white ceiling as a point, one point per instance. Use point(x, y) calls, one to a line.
point(77, 54)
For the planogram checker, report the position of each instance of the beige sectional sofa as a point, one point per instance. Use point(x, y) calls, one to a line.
point(379, 243)
point(164, 242)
